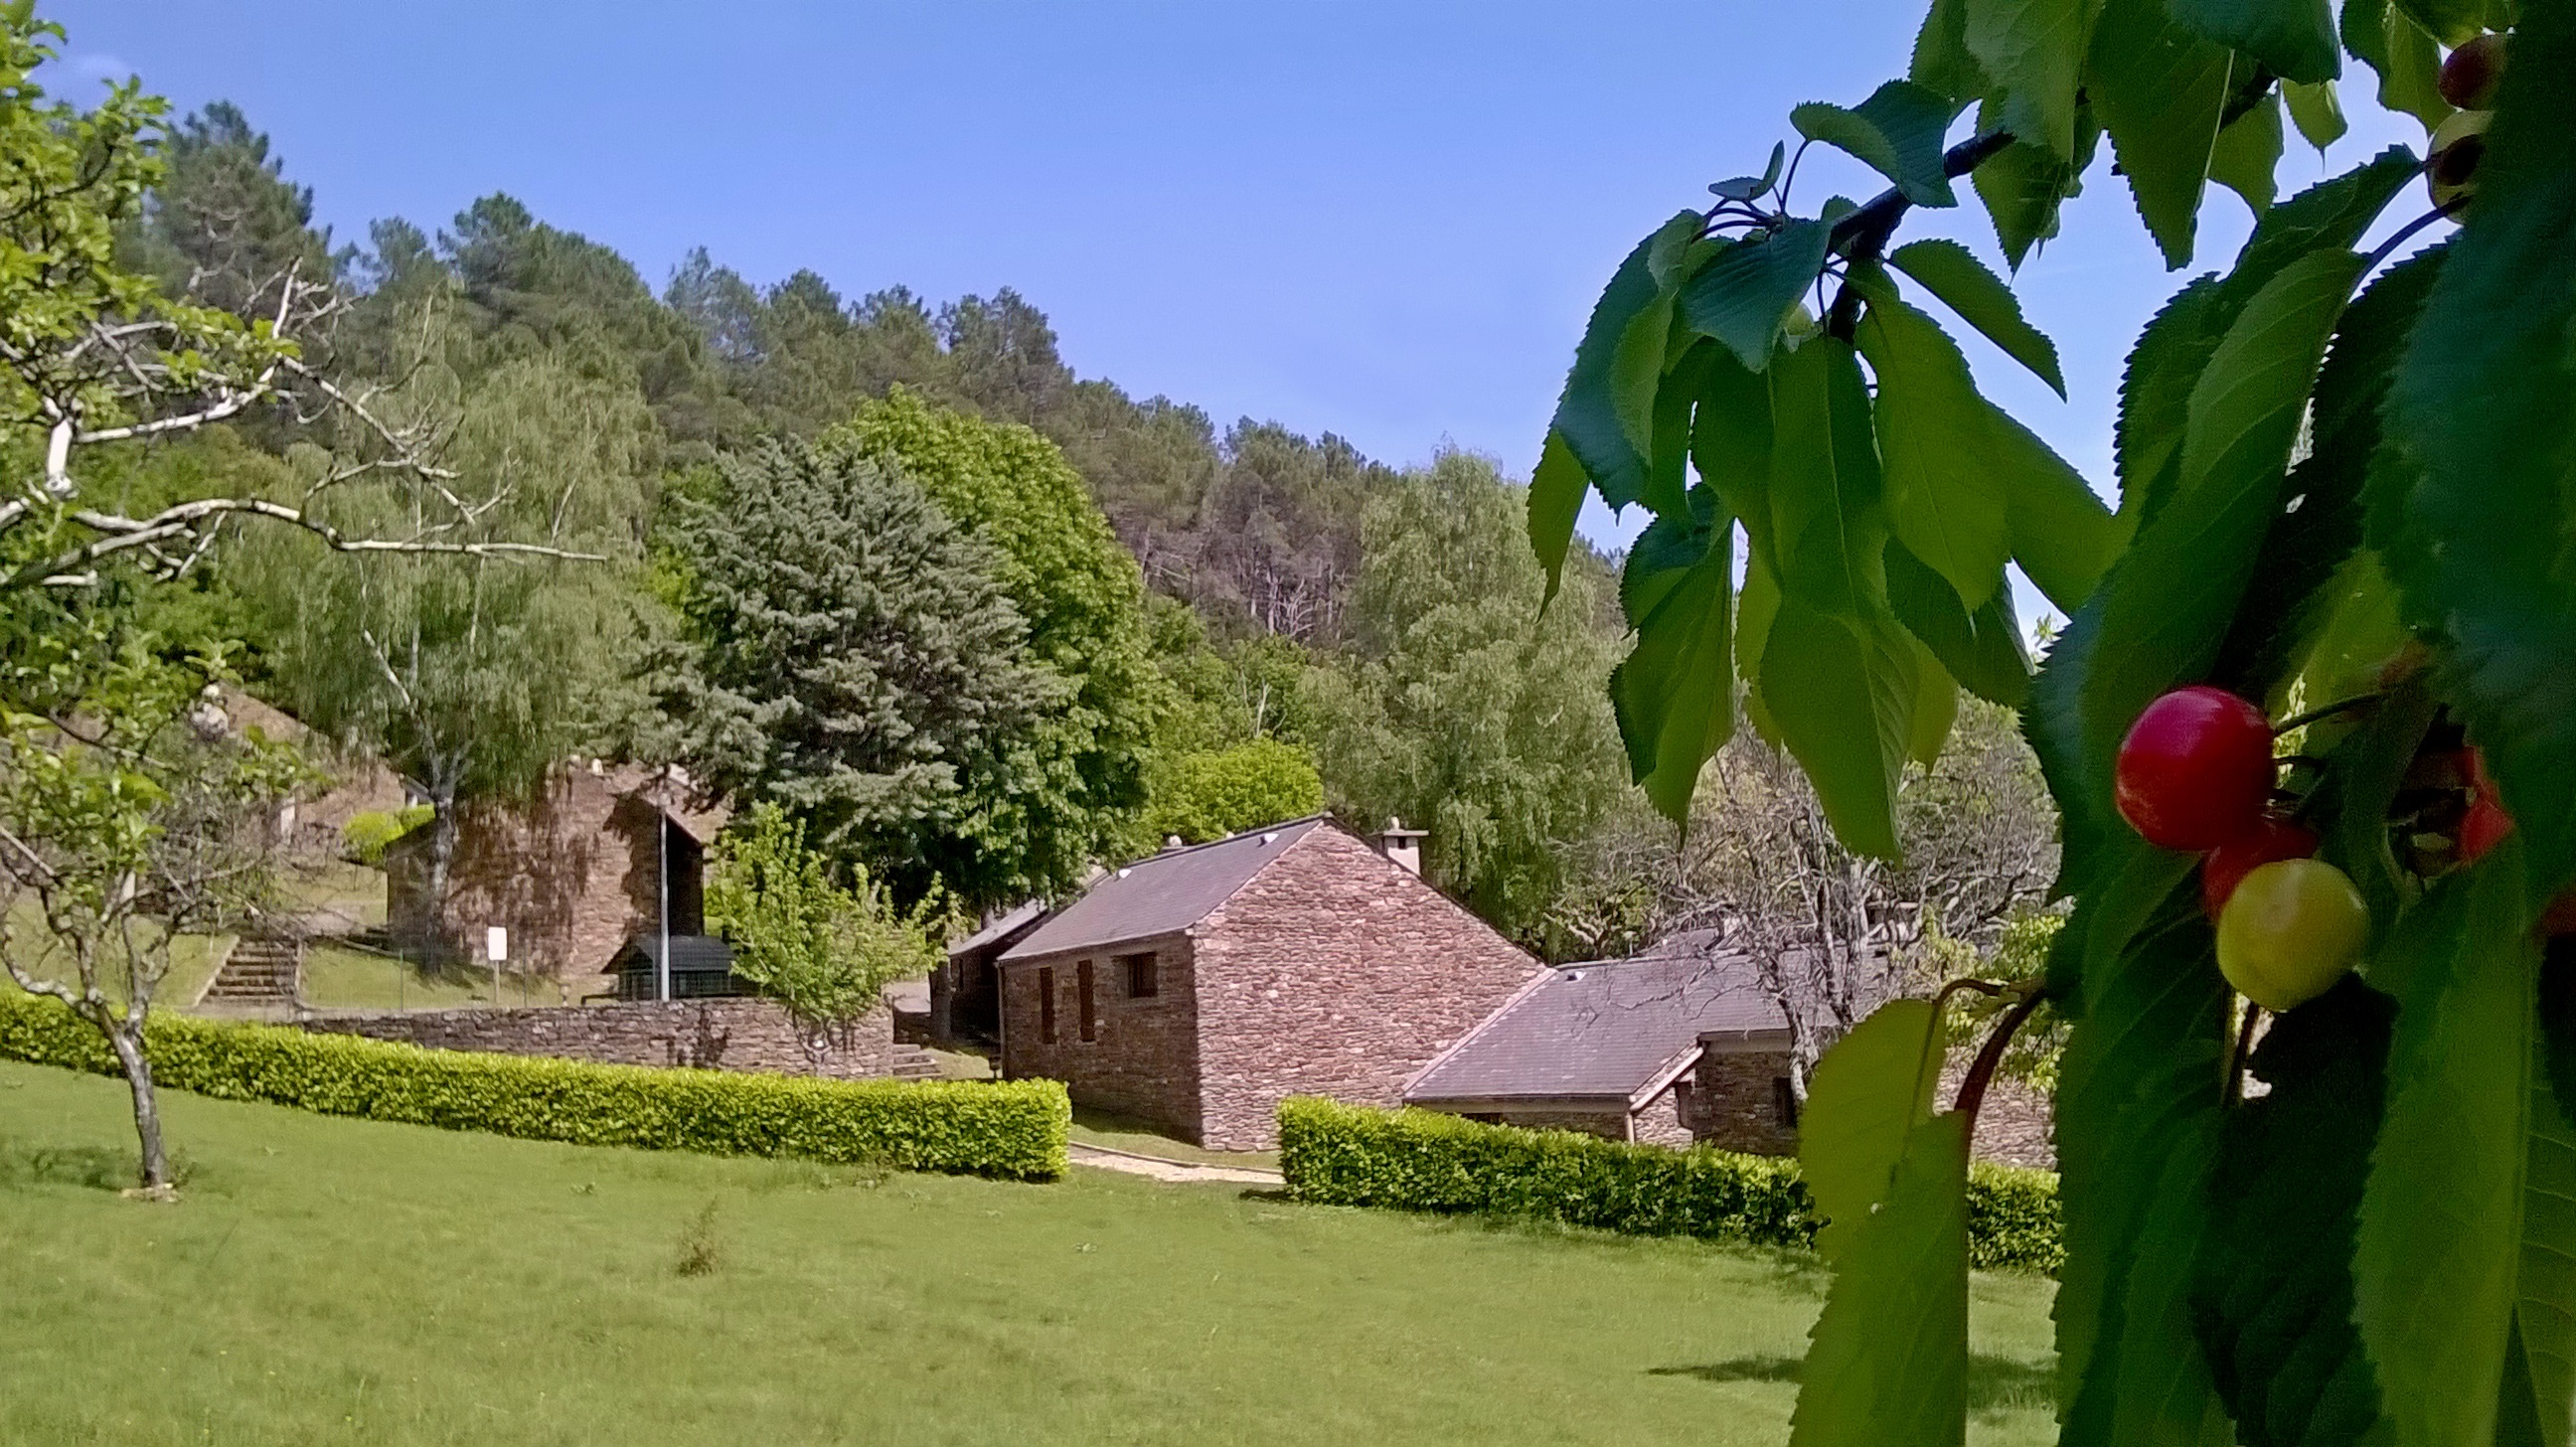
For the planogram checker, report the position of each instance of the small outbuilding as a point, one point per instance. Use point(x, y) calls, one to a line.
point(701, 969)
point(1195, 988)
point(1675, 1046)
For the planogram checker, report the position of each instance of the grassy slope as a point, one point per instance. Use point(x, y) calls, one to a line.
point(332, 1281)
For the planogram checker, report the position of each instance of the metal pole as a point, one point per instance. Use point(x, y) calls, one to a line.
point(662, 858)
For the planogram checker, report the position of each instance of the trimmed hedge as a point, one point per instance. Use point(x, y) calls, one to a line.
point(1014, 1129)
point(1419, 1160)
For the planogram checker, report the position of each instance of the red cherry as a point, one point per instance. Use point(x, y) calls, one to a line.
point(2270, 839)
point(2486, 823)
point(2195, 769)
point(2483, 827)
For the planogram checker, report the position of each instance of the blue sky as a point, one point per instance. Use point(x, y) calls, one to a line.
point(1384, 220)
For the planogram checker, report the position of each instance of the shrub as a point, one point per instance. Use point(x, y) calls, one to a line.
point(1014, 1130)
point(370, 832)
point(1419, 1160)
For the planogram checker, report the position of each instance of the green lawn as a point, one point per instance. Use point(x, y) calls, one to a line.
point(330, 1281)
point(1125, 1133)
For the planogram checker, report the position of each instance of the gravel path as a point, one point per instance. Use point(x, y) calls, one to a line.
point(1108, 1159)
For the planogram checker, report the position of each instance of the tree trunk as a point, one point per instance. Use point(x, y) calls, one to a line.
point(432, 941)
point(128, 1043)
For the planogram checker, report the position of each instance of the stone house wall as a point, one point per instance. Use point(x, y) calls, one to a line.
point(572, 876)
point(725, 1034)
point(1143, 1059)
point(1335, 972)
point(2015, 1126)
point(1734, 1102)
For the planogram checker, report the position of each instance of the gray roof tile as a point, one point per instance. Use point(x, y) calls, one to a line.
point(1603, 1028)
point(1161, 893)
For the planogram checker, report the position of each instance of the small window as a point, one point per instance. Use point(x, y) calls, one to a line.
point(1090, 1014)
point(1046, 1005)
point(1784, 1100)
point(1142, 981)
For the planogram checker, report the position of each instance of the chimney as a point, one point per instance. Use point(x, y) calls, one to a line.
point(1400, 844)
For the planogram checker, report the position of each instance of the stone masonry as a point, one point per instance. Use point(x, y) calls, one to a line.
point(1734, 1103)
point(1143, 1059)
point(1334, 972)
point(723, 1034)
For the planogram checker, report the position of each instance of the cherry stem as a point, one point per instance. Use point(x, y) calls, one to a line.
point(1972, 1089)
point(2341, 705)
point(2244, 1047)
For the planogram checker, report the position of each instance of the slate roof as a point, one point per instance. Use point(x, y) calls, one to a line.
point(1161, 893)
point(1605, 1028)
point(689, 954)
point(1003, 926)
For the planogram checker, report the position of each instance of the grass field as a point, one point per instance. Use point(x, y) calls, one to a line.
point(331, 1281)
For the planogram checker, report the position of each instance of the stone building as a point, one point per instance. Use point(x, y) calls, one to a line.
point(1676, 1046)
point(1195, 988)
point(575, 876)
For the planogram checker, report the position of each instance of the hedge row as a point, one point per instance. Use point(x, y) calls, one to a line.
point(1419, 1160)
point(1012, 1129)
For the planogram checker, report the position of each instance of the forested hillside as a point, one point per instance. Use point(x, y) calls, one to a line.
point(892, 564)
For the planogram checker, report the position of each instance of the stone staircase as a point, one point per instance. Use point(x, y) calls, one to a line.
point(259, 971)
point(911, 1062)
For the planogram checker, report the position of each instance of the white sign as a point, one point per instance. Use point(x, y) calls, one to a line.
point(496, 944)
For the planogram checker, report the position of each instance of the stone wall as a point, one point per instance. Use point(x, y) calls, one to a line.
point(1334, 972)
point(1143, 1059)
point(572, 876)
point(730, 1034)
point(2015, 1125)
point(1734, 1103)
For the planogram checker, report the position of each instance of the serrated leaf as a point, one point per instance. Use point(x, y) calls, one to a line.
point(2025, 185)
point(1828, 522)
point(1757, 604)
point(2361, 782)
point(2248, 154)
point(2480, 406)
point(2545, 1273)
point(1605, 413)
point(1739, 188)
point(2356, 632)
point(2272, 1285)
point(1896, 132)
point(2032, 52)
point(2155, 388)
point(2292, 38)
point(1936, 702)
point(1674, 694)
point(1868, 1093)
point(1676, 396)
point(1742, 294)
point(1951, 272)
point(1983, 650)
point(1943, 496)
point(2408, 64)
point(1731, 442)
point(2452, 22)
point(2169, 602)
point(2437, 1257)
point(2062, 536)
point(2160, 92)
point(1555, 501)
point(2307, 543)
point(2053, 723)
point(2137, 1112)
point(1941, 60)
point(1840, 691)
point(2315, 111)
point(1887, 1362)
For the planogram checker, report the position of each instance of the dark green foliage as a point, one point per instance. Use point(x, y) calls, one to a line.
point(2272, 1289)
point(224, 226)
point(1014, 1130)
point(2480, 417)
point(1419, 1160)
point(1897, 132)
point(854, 658)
